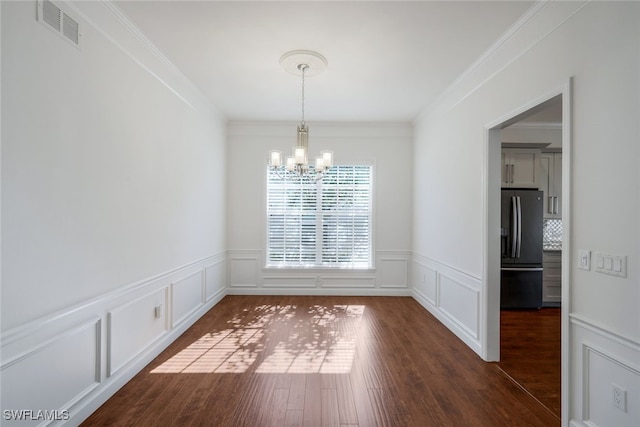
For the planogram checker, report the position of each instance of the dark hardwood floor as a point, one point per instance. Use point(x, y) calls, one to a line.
point(530, 352)
point(316, 361)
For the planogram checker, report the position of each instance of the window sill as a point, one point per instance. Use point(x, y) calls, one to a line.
point(316, 269)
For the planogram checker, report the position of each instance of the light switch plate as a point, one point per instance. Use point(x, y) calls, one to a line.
point(614, 265)
point(584, 259)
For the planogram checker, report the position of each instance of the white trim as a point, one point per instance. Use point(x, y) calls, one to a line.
point(471, 335)
point(110, 369)
point(25, 341)
point(177, 284)
point(536, 125)
point(491, 326)
point(27, 328)
point(425, 261)
point(328, 291)
point(491, 51)
point(627, 341)
point(482, 71)
point(49, 342)
point(107, 19)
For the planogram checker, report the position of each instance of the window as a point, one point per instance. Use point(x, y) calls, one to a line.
point(325, 223)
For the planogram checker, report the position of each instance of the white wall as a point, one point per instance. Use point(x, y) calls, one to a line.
point(113, 192)
point(598, 44)
point(387, 146)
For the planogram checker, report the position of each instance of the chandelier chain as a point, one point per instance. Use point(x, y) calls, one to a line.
point(303, 68)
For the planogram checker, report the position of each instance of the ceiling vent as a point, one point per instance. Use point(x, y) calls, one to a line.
point(57, 19)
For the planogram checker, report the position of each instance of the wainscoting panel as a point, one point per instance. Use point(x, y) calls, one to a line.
point(215, 279)
point(133, 327)
point(605, 361)
point(289, 282)
point(52, 376)
point(248, 277)
point(393, 272)
point(186, 296)
point(426, 282)
point(452, 296)
point(460, 303)
point(243, 269)
point(347, 282)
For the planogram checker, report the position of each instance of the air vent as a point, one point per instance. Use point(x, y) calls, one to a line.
point(70, 29)
point(60, 21)
point(51, 15)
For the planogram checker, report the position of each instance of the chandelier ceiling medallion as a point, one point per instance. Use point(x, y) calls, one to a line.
point(304, 63)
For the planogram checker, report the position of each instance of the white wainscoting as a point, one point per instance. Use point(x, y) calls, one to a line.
point(54, 375)
point(215, 279)
point(247, 276)
point(393, 270)
point(133, 327)
point(603, 359)
point(187, 294)
point(74, 360)
point(244, 267)
point(452, 296)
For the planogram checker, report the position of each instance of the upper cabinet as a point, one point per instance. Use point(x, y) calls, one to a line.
point(551, 184)
point(520, 168)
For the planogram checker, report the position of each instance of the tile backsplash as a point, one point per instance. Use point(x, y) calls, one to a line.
point(552, 234)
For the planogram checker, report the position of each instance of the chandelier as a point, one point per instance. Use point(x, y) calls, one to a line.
point(302, 63)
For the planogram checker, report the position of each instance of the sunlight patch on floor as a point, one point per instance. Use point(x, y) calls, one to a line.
point(330, 350)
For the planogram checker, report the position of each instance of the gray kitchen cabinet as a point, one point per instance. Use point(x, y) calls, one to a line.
point(551, 184)
point(520, 168)
point(551, 278)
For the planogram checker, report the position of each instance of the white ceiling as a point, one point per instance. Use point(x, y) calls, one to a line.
point(388, 60)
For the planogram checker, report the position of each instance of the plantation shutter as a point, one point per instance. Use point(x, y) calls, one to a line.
point(323, 223)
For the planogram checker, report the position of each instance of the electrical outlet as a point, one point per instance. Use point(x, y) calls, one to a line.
point(619, 397)
point(157, 311)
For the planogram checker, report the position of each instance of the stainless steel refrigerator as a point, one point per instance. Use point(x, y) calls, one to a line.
point(521, 245)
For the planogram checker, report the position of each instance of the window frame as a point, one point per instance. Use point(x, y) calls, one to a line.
point(371, 267)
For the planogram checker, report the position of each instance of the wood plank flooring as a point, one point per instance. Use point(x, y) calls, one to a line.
point(530, 352)
point(320, 361)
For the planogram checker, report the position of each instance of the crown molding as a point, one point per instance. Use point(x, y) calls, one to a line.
point(536, 24)
point(106, 18)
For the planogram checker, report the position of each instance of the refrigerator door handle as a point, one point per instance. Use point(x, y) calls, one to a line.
point(514, 226)
point(551, 205)
point(555, 205)
point(519, 245)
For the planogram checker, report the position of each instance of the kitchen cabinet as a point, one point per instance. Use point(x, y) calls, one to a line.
point(551, 278)
point(551, 184)
point(520, 168)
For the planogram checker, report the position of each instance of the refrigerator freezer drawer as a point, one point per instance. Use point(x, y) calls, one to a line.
point(521, 288)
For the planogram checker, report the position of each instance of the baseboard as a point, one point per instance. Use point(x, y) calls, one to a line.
point(321, 292)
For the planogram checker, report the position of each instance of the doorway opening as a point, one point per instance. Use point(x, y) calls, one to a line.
point(535, 117)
